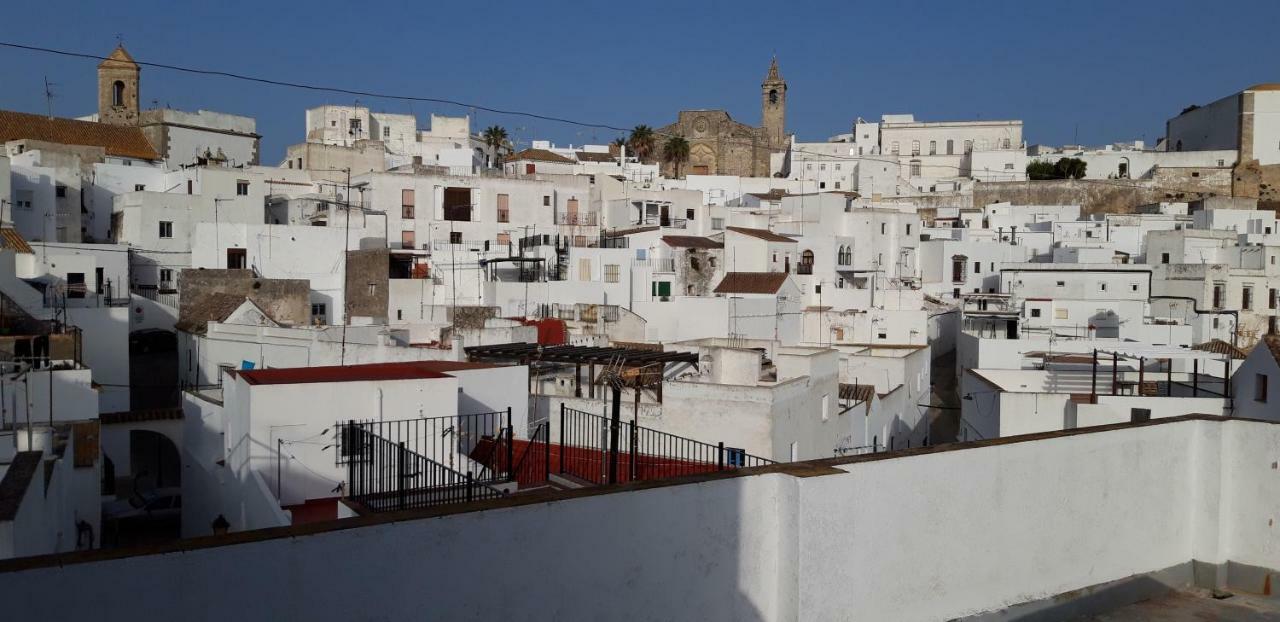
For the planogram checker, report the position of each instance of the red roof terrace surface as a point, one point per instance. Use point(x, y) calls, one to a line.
point(413, 370)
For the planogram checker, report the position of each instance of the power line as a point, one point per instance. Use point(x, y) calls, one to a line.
point(518, 113)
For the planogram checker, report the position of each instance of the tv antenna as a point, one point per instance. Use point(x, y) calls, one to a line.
point(48, 95)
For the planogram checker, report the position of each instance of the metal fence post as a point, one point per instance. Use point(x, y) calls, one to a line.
point(511, 443)
point(561, 437)
point(470, 481)
point(546, 452)
point(400, 475)
point(613, 435)
point(720, 456)
point(635, 468)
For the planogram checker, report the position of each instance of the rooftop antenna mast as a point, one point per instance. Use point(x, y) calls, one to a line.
point(49, 95)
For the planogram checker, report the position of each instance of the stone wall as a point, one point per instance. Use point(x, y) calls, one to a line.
point(286, 301)
point(1260, 182)
point(367, 283)
point(1111, 196)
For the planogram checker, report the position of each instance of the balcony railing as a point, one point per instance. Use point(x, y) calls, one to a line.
point(588, 219)
point(597, 450)
point(663, 264)
point(804, 268)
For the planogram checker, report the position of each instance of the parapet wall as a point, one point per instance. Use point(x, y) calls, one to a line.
point(928, 534)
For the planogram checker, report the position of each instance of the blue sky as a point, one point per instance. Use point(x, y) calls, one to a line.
point(1102, 71)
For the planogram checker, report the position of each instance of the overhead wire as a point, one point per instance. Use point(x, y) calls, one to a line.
point(501, 111)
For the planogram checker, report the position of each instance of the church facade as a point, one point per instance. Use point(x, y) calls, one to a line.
point(718, 145)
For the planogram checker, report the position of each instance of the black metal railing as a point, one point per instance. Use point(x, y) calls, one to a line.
point(389, 476)
point(533, 463)
point(595, 449)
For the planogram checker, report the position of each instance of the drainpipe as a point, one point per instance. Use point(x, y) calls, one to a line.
point(1235, 315)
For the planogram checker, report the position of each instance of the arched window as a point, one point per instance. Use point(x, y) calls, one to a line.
point(806, 258)
point(773, 96)
point(117, 93)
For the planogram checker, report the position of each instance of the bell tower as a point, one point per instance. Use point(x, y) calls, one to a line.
point(118, 89)
point(773, 105)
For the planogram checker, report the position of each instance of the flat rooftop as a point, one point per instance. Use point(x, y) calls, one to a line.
point(1195, 606)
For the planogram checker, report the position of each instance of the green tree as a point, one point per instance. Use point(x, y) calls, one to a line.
point(495, 137)
point(1070, 168)
point(676, 152)
point(1065, 168)
point(642, 142)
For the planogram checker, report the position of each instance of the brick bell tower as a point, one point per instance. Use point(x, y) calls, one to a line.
point(773, 105)
point(118, 78)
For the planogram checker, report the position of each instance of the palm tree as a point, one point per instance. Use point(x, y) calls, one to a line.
point(641, 142)
point(495, 137)
point(676, 152)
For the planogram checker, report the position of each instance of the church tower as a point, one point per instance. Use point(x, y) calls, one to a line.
point(118, 89)
point(774, 105)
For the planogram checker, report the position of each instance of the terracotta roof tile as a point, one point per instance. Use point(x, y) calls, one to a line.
point(541, 155)
point(1272, 342)
point(12, 240)
point(1218, 346)
point(690, 241)
point(763, 234)
point(117, 140)
point(417, 370)
point(595, 156)
point(751, 283)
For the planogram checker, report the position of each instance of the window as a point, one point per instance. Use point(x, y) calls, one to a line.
point(1260, 387)
point(809, 166)
point(354, 124)
point(1133, 287)
point(1273, 299)
point(951, 146)
point(611, 273)
point(1008, 166)
point(117, 93)
point(60, 191)
point(915, 147)
point(584, 269)
point(1246, 298)
point(189, 186)
point(915, 168)
point(826, 406)
point(504, 238)
point(1060, 314)
point(837, 166)
point(968, 146)
point(908, 229)
point(882, 335)
point(735, 457)
point(717, 223)
point(977, 267)
point(822, 167)
point(662, 288)
point(399, 314)
point(1062, 283)
point(373, 289)
point(894, 148)
point(318, 311)
point(933, 147)
point(689, 214)
point(242, 188)
point(643, 253)
point(139, 187)
point(1218, 291)
point(546, 200)
point(822, 185)
point(237, 258)
point(386, 131)
point(504, 208)
point(406, 239)
point(406, 203)
point(1164, 257)
point(882, 228)
point(1102, 287)
point(166, 278)
point(455, 237)
point(166, 229)
point(1005, 144)
point(837, 185)
point(1035, 313)
point(1215, 323)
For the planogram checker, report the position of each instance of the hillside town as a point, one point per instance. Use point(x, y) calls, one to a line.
point(707, 368)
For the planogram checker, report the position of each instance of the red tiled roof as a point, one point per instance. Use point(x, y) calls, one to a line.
point(1218, 346)
point(117, 140)
point(541, 155)
point(12, 240)
point(751, 283)
point(691, 241)
point(763, 234)
point(415, 370)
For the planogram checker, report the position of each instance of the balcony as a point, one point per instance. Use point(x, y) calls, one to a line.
point(804, 268)
point(663, 265)
point(583, 219)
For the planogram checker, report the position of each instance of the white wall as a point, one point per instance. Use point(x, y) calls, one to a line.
point(862, 539)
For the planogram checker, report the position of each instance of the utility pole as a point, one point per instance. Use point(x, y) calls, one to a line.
point(346, 273)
